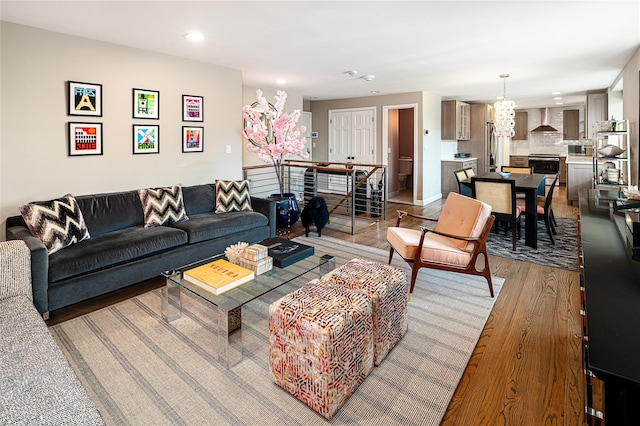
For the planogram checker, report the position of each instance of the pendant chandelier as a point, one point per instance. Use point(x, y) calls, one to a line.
point(504, 113)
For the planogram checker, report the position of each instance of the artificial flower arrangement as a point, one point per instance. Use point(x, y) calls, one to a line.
point(272, 133)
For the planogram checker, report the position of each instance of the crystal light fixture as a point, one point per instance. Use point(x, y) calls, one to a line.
point(505, 115)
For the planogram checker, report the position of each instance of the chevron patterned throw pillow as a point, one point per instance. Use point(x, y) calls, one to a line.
point(232, 196)
point(162, 206)
point(57, 223)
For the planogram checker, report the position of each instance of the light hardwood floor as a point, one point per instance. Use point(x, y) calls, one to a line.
point(527, 366)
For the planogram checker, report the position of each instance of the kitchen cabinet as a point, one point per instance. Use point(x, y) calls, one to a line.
point(455, 120)
point(522, 126)
point(563, 171)
point(571, 125)
point(449, 182)
point(479, 143)
point(579, 176)
point(519, 160)
point(597, 110)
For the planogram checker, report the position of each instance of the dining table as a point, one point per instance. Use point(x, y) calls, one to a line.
point(531, 185)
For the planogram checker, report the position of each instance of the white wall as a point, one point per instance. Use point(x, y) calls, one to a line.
point(431, 147)
point(631, 109)
point(35, 66)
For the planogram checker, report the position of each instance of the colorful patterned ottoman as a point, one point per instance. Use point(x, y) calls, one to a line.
point(321, 345)
point(387, 288)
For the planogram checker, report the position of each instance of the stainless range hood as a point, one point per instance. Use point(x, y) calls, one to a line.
point(544, 127)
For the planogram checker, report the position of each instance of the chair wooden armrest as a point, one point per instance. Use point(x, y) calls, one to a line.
point(402, 214)
point(456, 237)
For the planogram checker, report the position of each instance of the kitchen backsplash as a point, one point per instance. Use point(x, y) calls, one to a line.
point(546, 143)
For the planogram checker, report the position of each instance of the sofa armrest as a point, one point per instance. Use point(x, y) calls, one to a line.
point(267, 208)
point(39, 265)
point(15, 264)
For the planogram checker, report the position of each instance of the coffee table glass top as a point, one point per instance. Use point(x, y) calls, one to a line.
point(250, 290)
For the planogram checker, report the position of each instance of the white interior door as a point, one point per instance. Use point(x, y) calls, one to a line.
point(352, 139)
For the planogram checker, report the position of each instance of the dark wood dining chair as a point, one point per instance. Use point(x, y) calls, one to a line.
point(501, 196)
point(462, 188)
point(545, 211)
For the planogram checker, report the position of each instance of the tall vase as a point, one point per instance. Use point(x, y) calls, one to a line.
point(287, 209)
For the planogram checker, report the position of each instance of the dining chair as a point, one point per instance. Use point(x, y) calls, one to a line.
point(456, 244)
point(501, 196)
point(470, 172)
point(514, 169)
point(462, 189)
point(545, 211)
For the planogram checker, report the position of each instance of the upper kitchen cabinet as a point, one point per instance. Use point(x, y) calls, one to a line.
point(456, 121)
point(597, 110)
point(571, 125)
point(522, 127)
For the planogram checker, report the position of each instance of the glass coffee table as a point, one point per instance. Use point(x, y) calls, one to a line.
point(229, 304)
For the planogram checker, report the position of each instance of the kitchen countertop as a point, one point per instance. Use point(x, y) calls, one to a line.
point(459, 159)
point(572, 159)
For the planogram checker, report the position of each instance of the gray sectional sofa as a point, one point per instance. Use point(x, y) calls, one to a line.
point(121, 251)
point(37, 384)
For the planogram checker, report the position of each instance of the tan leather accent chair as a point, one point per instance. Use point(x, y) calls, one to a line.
point(456, 244)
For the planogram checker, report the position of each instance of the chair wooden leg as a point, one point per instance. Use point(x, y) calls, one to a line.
point(414, 274)
point(514, 234)
point(390, 254)
point(548, 225)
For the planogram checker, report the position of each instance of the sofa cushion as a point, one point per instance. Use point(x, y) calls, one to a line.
point(37, 384)
point(199, 198)
point(232, 196)
point(112, 249)
point(111, 211)
point(207, 226)
point(58, 223)
point(162, 206)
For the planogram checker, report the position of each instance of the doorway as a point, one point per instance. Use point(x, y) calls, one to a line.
point(400, 123)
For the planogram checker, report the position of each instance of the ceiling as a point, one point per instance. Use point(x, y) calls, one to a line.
point(454, 49)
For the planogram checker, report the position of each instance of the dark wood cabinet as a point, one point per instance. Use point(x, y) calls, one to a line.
point(522, 126)
point(571, 125)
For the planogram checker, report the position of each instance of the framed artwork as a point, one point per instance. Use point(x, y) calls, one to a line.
point(192, 108)
point(192, 139)
point(146, 139)
point(146, 104)
point(85, 139)
point(85, 99)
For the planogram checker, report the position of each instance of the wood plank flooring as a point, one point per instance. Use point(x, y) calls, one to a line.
point(526, 368)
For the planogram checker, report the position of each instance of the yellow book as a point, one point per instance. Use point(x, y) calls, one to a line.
point(219, 276)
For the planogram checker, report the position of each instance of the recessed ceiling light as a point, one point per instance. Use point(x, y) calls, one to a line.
point(559, 98)
point(281, 81)
point(194, 36)
point(555, 93)
point(368, 77)
point(352, 73)
point(559, 103)
point(374, 92)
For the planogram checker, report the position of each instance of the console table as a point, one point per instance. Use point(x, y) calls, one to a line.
point(611, 293)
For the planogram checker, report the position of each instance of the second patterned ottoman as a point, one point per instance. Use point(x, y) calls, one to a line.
point(387, 288)
point(321, 345)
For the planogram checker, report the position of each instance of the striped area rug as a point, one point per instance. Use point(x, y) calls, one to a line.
point(139, 370)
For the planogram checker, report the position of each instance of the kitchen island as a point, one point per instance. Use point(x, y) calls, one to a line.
point(579, 175)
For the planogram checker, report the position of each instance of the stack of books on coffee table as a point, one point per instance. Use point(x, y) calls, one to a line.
point(256, 258)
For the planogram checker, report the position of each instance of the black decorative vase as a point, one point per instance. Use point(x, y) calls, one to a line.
point(287, 209)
